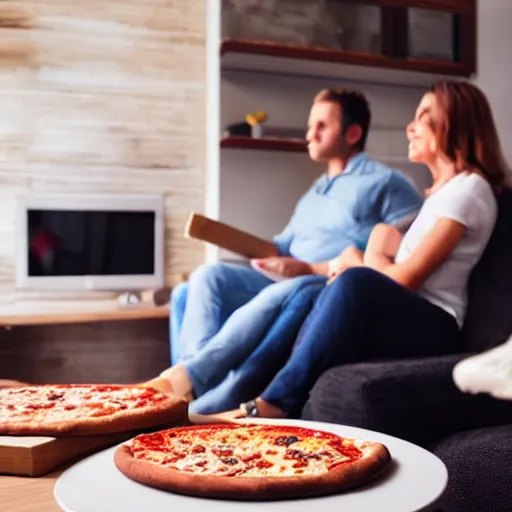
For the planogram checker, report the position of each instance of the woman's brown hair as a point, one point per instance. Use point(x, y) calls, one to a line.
point(466, 131)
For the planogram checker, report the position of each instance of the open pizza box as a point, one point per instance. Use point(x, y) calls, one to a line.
point(38, 456)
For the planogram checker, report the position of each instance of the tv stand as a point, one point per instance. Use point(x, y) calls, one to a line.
point(24, 314)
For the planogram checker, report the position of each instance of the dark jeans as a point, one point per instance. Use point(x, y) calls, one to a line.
point(362, 315)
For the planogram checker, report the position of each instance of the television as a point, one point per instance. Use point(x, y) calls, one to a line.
point(90, 242)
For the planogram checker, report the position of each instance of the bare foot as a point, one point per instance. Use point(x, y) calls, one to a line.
point(160, 384)
point(7, 383)
point(235, 414)
point(222, 417)
point(266, 410)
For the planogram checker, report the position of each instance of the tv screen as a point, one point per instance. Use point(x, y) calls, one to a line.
point(90, 242)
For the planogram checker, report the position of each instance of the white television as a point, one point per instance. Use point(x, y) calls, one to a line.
point(90, 242)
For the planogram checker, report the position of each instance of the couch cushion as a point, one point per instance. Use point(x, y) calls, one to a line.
point(489, 316)
point(479, 464)
point(414, 399)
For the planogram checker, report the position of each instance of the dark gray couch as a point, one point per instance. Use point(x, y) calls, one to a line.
point(418, 401)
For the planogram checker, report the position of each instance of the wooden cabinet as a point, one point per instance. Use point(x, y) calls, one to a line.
point(434, 37)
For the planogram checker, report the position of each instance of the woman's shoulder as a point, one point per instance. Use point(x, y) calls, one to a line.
point(467, 197)
point(472, 185)
point(474, 178)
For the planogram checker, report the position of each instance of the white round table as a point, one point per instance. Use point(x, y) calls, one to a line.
point(417, 479)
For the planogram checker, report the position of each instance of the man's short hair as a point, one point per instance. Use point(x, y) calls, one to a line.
point(354, 110)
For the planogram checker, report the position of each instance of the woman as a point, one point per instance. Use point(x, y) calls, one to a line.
point(405, 296)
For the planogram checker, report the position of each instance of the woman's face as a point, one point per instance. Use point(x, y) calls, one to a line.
point(423, 147)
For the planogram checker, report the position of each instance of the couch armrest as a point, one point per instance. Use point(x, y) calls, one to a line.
point(414, 399)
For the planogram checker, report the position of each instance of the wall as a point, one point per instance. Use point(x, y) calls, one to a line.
point(103, 96)
point(493, 70)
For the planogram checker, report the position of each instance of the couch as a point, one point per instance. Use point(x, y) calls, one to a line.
point(417, 400)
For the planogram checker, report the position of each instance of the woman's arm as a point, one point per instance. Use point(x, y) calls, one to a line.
point(383, 244)
point(430, 254)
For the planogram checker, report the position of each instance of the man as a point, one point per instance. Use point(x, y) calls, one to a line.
point(338, 211)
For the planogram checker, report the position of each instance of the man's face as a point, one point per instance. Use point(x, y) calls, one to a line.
point(324, 132)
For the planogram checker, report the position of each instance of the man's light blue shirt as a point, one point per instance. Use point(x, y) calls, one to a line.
point(341, 211)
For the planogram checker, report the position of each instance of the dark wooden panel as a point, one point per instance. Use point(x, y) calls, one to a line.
point(265, 144)
point(102, 352)
point(339, 56)
point(441, 5)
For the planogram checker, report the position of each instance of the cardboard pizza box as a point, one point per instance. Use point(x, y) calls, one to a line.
point(37, 456)
point(228, 237)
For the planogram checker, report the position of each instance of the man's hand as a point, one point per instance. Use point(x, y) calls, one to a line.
point(350, 257)
point(284, 266)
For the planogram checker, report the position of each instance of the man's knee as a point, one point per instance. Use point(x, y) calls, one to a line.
point(217, 278)
point(304, 297)
point(274, 294)
point(209, 273)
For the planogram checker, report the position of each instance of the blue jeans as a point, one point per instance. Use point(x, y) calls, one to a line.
point(362, 315)
point(178, 304)
point(204, 304)
point(242, 332)
point(256, 372)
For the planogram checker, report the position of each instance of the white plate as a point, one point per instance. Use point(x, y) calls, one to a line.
point(267, 273)
point(415, 482)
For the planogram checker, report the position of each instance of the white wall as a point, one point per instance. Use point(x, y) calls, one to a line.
point(258, 189)
point(494, 69)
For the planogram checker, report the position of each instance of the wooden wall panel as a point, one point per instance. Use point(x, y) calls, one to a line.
point(103, 96)
point(102, 352)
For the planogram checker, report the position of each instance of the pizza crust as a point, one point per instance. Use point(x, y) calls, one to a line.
point(170, 411)
point(373, 464)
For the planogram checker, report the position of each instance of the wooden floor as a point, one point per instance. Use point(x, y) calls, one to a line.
point(23, 494)
point(101, 352)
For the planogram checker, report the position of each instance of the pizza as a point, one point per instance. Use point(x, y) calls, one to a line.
point(78, 409)
point(250, 461)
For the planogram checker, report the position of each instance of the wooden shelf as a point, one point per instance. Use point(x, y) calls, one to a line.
point(245, 55)
point(265, 144)
point(30, 314)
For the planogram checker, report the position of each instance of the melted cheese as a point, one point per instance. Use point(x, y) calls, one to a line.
point(64, 403)
point(244, 452)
